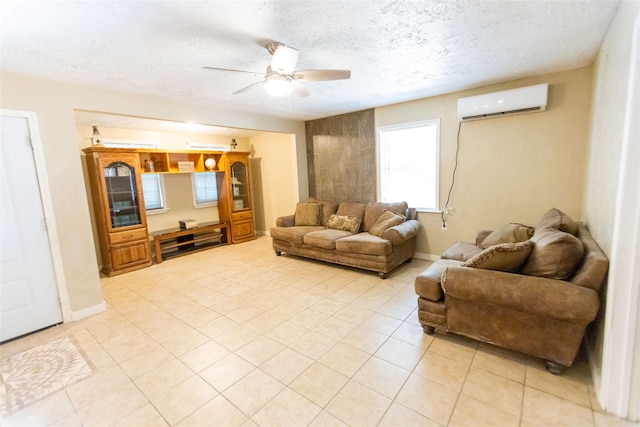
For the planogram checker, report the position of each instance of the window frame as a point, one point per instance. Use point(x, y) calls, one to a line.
point(161, 190)
point(379, 141)
point(197, 205)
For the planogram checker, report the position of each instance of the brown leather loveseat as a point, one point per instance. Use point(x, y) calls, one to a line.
point(528, 289)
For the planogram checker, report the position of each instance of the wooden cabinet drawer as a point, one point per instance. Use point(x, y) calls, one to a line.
point(127, 255)
point(127, 236)
point(239, 216)
point(242, 231)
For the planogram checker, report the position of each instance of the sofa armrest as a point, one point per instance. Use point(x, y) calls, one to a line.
point(286, 221)
point(544, 297)
point(402, 232)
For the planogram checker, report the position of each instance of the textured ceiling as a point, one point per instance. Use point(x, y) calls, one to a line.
point(397, 50)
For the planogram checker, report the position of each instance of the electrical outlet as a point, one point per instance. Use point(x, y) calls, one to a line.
point(444, 225)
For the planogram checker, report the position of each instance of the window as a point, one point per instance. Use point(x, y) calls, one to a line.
point(205, 189)
point(408, 164)
point(153, 192)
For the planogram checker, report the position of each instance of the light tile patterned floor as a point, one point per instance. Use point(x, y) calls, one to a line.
point(236, 336)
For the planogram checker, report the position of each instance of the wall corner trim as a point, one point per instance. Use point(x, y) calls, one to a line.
point(89, 311)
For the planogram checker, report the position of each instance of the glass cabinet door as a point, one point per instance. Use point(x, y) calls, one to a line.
point(239, 187)
point(122, 194)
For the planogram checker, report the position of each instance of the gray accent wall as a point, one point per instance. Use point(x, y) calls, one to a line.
point(341, 156)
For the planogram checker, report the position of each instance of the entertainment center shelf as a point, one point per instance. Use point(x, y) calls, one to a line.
point(115, 176)
point(158, 161)
point(175, 242)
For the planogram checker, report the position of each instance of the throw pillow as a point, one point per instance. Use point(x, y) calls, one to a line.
point(308, 214)
point(507, 257)
point(556, 255)
point(555, 218)
point(387, 220)
point(345, 222)
point(508, 233)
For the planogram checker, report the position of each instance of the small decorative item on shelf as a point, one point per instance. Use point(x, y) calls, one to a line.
point(185, 167)
point(148, 166)
point(186, 224)
point(234, 144)
point(210, 163)
point(238, 204)
point(95, 136)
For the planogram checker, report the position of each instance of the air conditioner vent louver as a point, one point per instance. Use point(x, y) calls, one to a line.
point(497, 104)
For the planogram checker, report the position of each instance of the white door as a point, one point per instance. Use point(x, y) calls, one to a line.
point(28, 292)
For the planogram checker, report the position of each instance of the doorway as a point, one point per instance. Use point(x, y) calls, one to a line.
point(28, 285)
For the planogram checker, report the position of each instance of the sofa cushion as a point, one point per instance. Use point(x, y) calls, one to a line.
point(308, 213)
point(508, 233)
point(556, 254)
point(325, 239)
point(364, 243)
point(352, 209)
point(345, 222)
point(427, 284)
point(461, 251)
point(556, 219)
point(292, 234)
point(373, 210)
point(329, 207)
point(507, 257)
point(386, 220)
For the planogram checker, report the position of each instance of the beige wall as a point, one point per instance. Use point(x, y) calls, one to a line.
point(611, 77)
point(511, 169)
point(274, 177)
point(54, 103)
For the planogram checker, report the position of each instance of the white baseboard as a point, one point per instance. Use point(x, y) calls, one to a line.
point(428, 257)
point(89, 311)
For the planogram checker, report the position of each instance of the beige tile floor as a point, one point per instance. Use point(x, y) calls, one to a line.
point(235, 336)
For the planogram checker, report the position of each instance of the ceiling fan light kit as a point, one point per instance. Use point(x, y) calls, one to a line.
point(277, 85)
point(280, 75)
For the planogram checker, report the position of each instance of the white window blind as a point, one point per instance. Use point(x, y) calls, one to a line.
point(152, 191)
point(205, 189)
point(408, 157)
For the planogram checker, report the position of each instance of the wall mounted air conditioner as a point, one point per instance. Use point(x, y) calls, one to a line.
point(514, 101)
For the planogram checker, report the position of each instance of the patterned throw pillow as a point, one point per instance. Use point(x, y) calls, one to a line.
point(507, 257)
point(345, 222)
point(387, 220)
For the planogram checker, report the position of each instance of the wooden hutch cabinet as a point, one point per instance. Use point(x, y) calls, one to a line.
point(118, 204)
point(234, 196)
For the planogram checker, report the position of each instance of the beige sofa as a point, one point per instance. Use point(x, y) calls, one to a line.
point(370, 236)
point(528, 289)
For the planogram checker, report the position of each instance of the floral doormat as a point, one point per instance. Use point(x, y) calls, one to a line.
point(40, 371)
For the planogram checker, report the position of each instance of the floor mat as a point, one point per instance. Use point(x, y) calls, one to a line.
point(40, 371)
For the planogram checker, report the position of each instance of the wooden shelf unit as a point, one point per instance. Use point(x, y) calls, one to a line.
point(176, 242)
point(168, 161)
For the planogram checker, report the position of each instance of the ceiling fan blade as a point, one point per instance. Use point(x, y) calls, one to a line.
point(253, 73)
point(299, 90)
point(284, 59)
point(247, 88)
point(321, 75)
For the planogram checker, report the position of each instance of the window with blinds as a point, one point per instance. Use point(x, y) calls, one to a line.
point(205, 189)
point(152, 189)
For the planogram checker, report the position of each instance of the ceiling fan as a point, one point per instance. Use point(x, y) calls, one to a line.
point(281, 79)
